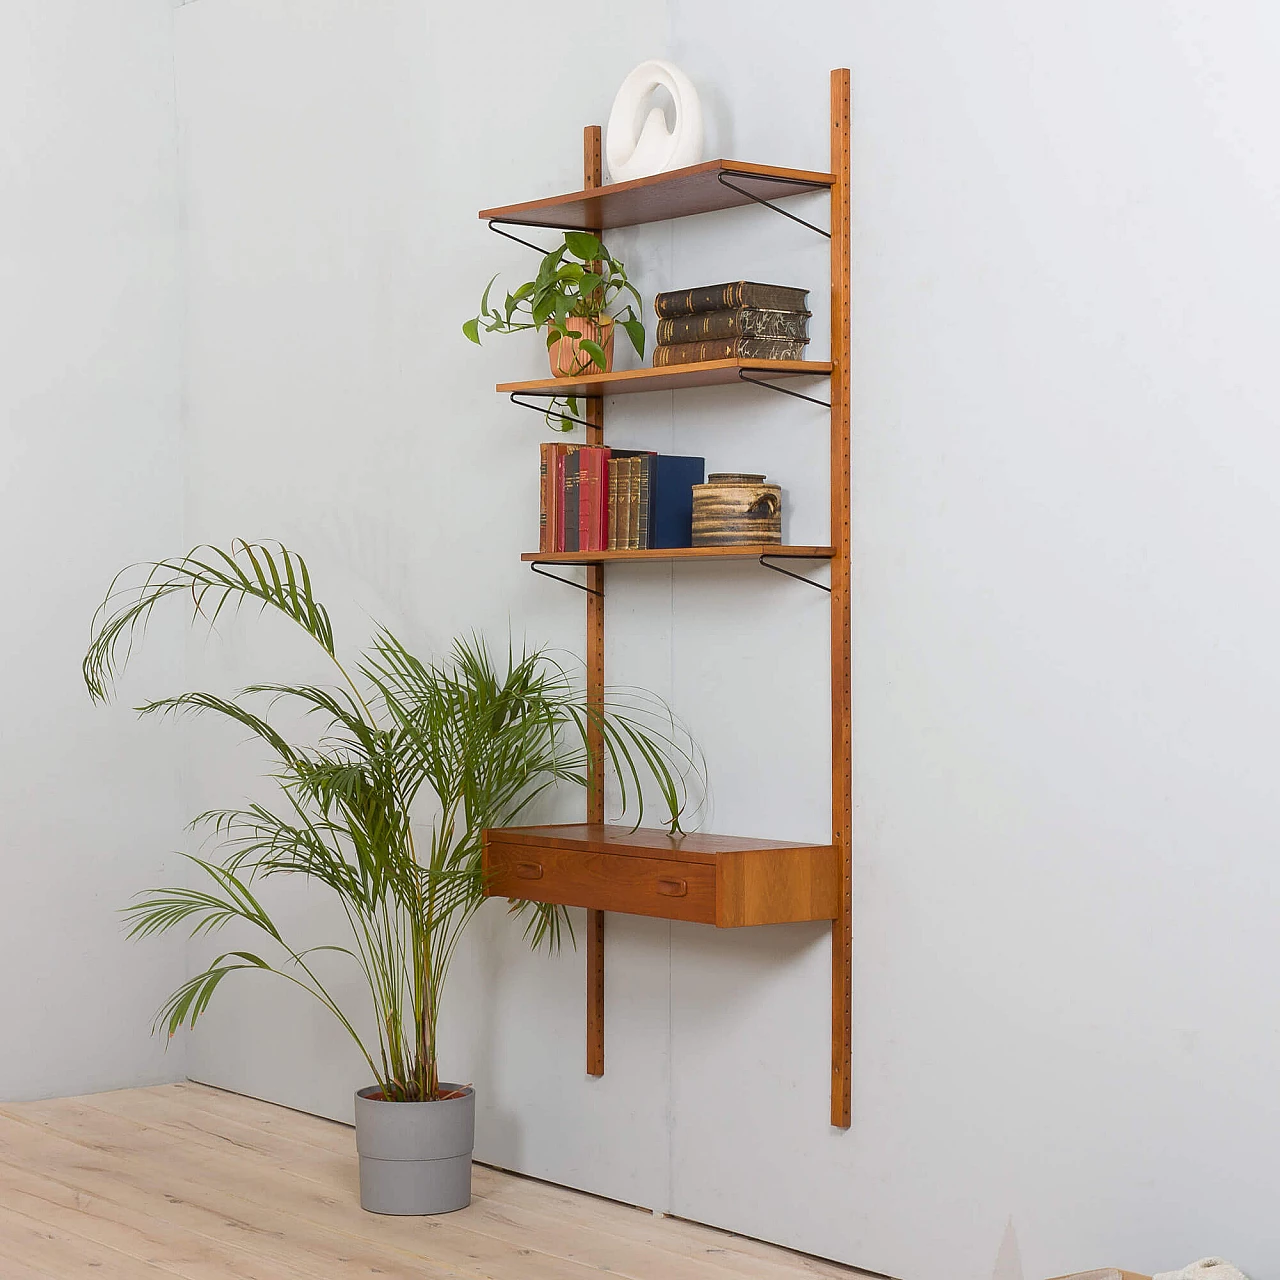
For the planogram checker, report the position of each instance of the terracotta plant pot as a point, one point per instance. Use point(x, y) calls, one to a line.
point(568, 361)
point(415, 1157)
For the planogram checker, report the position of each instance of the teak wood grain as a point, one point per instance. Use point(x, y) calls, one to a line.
point(709, 373)
point(592, 176)
point(841, 606)
point(603, 882)
point(745, 552)
point(728, 881)
point(675, 194)
point(643, 842)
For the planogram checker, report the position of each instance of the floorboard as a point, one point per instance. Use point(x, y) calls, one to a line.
point(188, 1181)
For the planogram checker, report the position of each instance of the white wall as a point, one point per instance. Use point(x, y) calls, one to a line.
point(1066, 1022)
point(89, 481)
point(1066, 1009)
point(334, 156)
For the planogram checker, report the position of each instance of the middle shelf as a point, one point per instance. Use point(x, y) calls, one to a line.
point(709, 373)
point(748, 552)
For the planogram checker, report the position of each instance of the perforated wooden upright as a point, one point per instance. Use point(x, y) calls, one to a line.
point(724, 881)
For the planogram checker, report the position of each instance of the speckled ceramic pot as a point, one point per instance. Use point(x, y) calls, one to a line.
point(736, 508)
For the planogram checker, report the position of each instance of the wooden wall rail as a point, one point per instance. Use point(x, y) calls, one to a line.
point(841, 609)
point(592, 176)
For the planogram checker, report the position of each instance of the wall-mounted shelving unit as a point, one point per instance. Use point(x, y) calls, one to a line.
point(726, 881)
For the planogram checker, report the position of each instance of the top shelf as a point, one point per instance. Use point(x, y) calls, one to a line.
point(675, 194)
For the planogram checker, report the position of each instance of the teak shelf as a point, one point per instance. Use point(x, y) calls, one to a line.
point(714, 373)
point(725, 881)
point(747, 552)
point(700, 188)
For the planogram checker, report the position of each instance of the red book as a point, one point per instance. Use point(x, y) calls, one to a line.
point(559, 488)
point(591, 497)
point(600, 534)
point(555, 492)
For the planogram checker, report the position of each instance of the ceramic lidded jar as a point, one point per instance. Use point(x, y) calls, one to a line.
point(735, 509)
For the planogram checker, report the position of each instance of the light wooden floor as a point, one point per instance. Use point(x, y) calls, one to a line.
point(182, 1180)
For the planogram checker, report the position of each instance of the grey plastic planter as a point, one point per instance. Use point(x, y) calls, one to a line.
point(415, 1157)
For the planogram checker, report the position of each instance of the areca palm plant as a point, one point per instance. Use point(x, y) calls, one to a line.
point(470, 738)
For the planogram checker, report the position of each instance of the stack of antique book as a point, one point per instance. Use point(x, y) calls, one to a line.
point(742, 321)
point(598, 499)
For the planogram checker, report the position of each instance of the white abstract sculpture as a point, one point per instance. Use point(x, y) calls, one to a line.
point(636, 151)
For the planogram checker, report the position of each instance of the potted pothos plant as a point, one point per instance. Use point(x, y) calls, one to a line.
point(384, 810)
point(579, 298)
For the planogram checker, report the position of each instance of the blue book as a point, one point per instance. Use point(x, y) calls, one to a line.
point(671, 481)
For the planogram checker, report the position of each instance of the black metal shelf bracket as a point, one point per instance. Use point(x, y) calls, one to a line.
point(528, 244)
point(568, 582)
point(795, 182)
point(799, 577)
point(745, 376)
point(549, 411)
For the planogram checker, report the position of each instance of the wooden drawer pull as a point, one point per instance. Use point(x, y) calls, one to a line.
point(529, 870)
point(673, 888)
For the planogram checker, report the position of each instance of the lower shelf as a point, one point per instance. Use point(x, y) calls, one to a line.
point(727, 881)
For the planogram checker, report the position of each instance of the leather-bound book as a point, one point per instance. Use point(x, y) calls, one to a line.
point(721, 297)
point(595, 514)
point(611, 542)
point(623, 464)
point(729, 349)
point(642, 501)
point(624, 498)
point(544, 496)
point(741, 322)
point(633, 504)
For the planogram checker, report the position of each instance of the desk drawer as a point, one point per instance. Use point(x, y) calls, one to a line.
point(603, 881)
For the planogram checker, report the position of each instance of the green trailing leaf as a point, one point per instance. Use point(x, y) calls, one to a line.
point(471, 739)
point(577, 278)
point(634, 330)
point(583, 245)
point(542, 310)
point(594, 350)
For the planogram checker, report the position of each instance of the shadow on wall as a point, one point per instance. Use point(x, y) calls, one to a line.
point(1008, 1264)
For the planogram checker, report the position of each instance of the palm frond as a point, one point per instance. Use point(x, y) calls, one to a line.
point(480, 738)
point(212, 578)
point(184, 1006)
point(160, 909)
point(195, 703)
